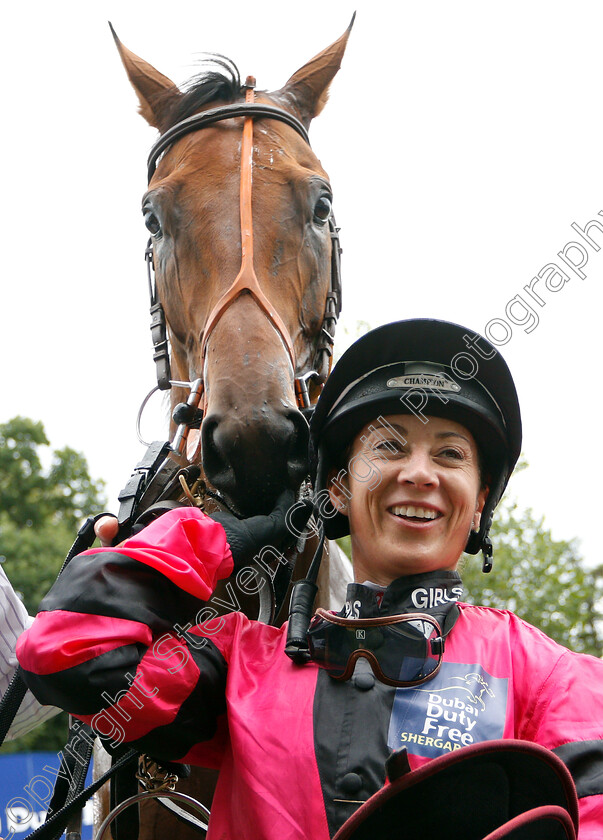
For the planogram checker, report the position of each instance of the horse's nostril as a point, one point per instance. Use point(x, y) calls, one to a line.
point(253, 461)
point(297, 458)
point(213, 461)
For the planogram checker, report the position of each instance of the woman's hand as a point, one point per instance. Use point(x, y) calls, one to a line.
point(278, 529)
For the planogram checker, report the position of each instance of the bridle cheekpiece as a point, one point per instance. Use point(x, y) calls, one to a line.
point(246, 279)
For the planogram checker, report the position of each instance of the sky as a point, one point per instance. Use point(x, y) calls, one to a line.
point(462, 139)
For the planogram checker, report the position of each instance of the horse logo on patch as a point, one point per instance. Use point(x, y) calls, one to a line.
point(474, 679)
point(462, 705)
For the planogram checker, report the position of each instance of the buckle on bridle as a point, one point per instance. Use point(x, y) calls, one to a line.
point(301, 389)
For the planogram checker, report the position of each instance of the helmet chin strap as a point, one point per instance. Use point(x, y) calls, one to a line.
point(487, 554)
point(486, 546)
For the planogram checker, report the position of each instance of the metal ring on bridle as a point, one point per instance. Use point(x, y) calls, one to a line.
point(161, 795)
point(143, 405)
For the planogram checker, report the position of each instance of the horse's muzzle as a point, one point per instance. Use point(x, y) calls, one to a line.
point(252, 459)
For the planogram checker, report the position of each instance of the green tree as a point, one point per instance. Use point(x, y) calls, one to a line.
point(41, 508)
point(540, 579)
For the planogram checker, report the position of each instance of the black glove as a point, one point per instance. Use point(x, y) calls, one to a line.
point(279, 529)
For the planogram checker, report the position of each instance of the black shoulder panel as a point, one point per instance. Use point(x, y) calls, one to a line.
point(584, 760)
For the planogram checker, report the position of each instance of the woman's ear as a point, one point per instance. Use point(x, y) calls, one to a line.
point(481, 501)
point(337, 485)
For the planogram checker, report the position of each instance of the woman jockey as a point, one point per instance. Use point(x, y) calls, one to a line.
point(413, 441)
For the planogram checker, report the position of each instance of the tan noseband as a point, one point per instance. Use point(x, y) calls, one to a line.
point(246, 280)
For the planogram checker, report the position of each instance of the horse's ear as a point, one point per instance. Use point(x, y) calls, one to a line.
point(307, 90)
point(156, 93)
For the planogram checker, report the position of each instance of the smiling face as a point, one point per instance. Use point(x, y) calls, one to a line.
point(412, 493)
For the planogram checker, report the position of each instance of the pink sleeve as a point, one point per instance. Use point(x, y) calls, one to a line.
point(186, 546)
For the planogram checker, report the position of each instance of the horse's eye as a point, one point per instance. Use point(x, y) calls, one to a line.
point(322, 209)
point(152, 223)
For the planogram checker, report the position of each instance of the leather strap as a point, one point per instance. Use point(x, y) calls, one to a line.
point(246, 280)
point(213, 115)
point(54, 825)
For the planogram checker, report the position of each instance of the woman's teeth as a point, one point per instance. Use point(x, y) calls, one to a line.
point(415, 512)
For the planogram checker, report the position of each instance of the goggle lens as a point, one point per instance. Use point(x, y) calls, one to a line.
point(402, 650)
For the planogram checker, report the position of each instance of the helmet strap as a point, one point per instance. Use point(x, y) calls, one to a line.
point(487, 554)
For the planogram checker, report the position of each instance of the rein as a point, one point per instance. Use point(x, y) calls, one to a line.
point(246, 280)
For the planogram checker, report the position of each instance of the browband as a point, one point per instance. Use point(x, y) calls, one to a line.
point(223, 112)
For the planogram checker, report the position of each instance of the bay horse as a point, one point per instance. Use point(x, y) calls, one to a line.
point(243, 280)
point(243, 249)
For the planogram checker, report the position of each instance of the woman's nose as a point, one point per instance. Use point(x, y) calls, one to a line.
point(418, 469)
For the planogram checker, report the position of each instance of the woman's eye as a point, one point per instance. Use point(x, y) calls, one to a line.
point(452, 453)
point(152, 223)
point(322, 209)
point(387, 447)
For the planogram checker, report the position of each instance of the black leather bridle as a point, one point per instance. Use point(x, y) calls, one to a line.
point(324, 348)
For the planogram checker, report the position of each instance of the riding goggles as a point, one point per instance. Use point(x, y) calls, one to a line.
point(402, 650)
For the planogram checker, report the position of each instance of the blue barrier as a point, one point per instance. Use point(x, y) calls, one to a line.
point(26, 785)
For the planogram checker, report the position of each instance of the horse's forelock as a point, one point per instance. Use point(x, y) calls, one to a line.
point(218, 81)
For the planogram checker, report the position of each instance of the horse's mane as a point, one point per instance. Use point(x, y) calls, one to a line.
point(220, 81)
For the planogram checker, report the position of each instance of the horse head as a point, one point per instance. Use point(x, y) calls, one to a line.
point(242, 262)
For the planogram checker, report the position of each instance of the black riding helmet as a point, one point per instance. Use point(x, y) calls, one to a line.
point(427, 368)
